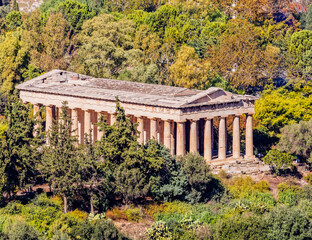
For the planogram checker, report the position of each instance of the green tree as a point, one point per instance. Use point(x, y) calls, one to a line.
point(19, 157)
point(74, 12)
point(296, 139)
point(278, 160)
point(95, 178)
point(201, 185)
point(13, 20)
point(306, 19)
point(60, 162)
point(13, 62)
point(300, 54)
point(288, 223)
point(106, 45)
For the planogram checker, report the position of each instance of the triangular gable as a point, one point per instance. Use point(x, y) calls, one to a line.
point(210, 95)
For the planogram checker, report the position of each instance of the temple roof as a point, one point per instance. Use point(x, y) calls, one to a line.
point(59, 82)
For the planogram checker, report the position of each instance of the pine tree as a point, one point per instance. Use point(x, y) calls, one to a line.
point(19, 155)
point(60, 160)
point(95, 178)
point(119, 141)
point(135, 168)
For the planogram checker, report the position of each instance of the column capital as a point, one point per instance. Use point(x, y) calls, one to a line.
point(193, 120)
point(209, 118)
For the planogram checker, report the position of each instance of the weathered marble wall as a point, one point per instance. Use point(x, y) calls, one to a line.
point(29, 5)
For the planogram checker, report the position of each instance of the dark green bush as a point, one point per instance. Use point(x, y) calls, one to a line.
point(202, 186)
point(106, 230)
point(288, 223)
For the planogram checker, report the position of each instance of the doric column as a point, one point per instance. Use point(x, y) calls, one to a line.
point(99, 133)
point(49, 117)
point(94, 127)
point(236, 137)
point(172, 141)
point(222, 138)
point(74, 118)
point(208, 139)
point(180, 138)
point(38, 118)
point(193, 136)
point(249, 137)
point(153, 128)
point(141, 129)
point(87, 122)
point(112, 119)
point(167, 134)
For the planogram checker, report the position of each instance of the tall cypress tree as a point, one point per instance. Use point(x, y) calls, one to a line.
point(60, 159)
point(19, 155)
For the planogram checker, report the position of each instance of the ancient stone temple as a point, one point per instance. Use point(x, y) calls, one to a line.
point(179, 118)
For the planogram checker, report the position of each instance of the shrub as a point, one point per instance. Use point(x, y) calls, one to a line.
point(278, 161)
point(133, 214)
point(43, 201)
point(22, 230)
point(288, 223)
point(306, 192)
point(116, 214)
point(288, 194)
point(159, 231)
point(96, 229)
point(242, 187)
point(201, 185)
point(106, 230)
point(308, 178)
point(239, 227)
point(158, 212)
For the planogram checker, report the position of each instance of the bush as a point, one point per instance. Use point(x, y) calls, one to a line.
point(288, 194)
point(159, 212)
point(201, 184)
point(96, 229)
point(116, 214)
point(243, 187)
point(22, 230)
point(133, 214)
point(239, 227)
point(106, 230)
point(308, 178)
point(288, 223)
point(278, 161)
point(159, 231)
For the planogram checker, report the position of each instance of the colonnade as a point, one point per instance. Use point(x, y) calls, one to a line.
point(172, 134)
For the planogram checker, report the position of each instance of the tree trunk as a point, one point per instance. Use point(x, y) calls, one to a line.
point(65, 204)
point(91, 204)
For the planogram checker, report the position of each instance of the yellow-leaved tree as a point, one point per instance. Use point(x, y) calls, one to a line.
point(189, 70)
point(13, 61)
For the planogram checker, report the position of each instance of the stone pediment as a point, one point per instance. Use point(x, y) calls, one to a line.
point(212, 94)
